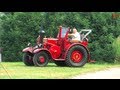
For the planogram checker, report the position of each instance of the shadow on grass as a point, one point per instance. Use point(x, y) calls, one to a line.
point(40, 67)
point(21, 64)
point(53, 66)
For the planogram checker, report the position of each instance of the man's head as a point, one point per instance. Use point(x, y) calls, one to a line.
point(74, 30)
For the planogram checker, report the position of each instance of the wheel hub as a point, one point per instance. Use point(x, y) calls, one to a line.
point(42, 59)
point(76, 56)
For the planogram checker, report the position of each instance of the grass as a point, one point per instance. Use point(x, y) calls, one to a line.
point(18, 70)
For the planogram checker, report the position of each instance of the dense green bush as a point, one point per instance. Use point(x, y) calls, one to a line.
point(116, 46)
point(19, 28)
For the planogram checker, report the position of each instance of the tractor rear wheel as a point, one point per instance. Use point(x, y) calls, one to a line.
point(60, 63)
point(40, 59)
point(28, 59)
point(77, 56)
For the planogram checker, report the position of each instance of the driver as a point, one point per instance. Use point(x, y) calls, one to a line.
point(75, 36)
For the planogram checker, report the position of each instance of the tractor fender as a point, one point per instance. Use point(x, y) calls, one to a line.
point(43, 49)
point(80, 45)
point(28, 49)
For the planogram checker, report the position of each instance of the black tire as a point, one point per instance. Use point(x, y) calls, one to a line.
point(82, 62)
point(60, 63)
point(36, 60)
point(28, 59)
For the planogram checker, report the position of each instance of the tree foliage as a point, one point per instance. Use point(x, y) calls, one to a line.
point(19, 28)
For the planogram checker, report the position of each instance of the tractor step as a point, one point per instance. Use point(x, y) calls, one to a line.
point(59, 59)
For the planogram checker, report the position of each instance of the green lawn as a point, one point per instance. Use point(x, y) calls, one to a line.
point(18, 70)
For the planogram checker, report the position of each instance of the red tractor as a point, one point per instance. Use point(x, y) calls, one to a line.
point(60, 50)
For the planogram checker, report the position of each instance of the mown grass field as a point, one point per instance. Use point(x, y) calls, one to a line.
point(18, 70)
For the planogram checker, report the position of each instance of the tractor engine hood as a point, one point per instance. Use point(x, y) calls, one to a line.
point(50, 40)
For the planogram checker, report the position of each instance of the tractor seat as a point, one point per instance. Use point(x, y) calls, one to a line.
point(75, 41)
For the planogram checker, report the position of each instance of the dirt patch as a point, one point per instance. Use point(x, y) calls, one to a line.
point(112, 73)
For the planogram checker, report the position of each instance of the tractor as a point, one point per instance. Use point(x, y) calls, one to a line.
point(60, 50)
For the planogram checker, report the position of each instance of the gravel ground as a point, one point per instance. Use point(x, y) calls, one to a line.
point(113, 73)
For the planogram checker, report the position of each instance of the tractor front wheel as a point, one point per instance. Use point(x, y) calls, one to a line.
point(28, 59)
point(77, 56)
point(40, 59)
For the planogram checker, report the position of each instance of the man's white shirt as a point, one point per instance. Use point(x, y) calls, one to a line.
point(76, 36)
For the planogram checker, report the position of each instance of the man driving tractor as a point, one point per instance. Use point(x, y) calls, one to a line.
point(75, 36)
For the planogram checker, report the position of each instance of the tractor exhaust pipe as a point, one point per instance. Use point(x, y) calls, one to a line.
point(42, 33)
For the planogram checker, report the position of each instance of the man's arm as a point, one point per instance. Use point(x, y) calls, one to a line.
point(69, 35)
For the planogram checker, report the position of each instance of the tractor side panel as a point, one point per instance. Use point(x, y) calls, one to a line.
point(52, 41)
point(55, 51)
